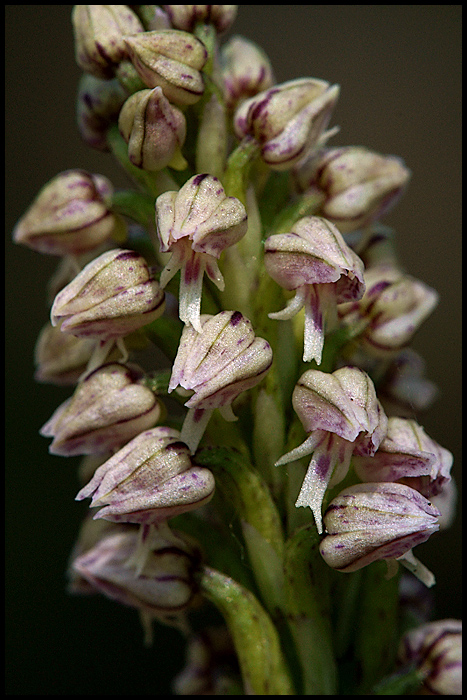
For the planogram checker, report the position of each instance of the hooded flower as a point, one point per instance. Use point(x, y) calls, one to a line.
point(287, 121)
point(217, 365)
point(359, 185)
point(172, 60)
point(406, 454)
point(314, 260)
point(150, 479)
point(71, 215)
point(368, 522)
point(154, 129)
point(112, 296)
point(164, 587)
point(342, 416)
point(246, 70)
point(393, 306)
point(196, 224)
point(108, 408)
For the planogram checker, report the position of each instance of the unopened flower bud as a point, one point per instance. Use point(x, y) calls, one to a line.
point(108, 408)
point(408, 455)
point(315, 260)
point(436, 650)
point(99, 32)
point(394, 306)
point(61, 358)
point(217, 365)
point(368, 522)
point(246, 70)
point(154, 130)
point(360, 185)
point(150, 479)
point(288, 120)
point(196, 224)
point(172, 60)
point(164, 587)
point(98, 106)
point(343, 416)
point(186, 17)
point(70, 215)
point(112, 296)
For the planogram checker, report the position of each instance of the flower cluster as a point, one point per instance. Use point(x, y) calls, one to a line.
point(286, 336)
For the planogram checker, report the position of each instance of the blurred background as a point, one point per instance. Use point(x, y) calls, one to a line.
point(399, 68)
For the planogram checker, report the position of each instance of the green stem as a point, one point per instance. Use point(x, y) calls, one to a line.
point(308, 611)
point(260, 521)
point(135, 205)
point(376, 633)
point(263, 667)
point(236, 175)
point(307, 204)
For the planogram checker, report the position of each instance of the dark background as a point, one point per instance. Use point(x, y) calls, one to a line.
point(399, 67)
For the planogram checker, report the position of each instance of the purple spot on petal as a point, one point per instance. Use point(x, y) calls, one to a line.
point(235, 318)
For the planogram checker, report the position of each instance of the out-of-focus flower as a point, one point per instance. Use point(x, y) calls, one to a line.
point(150, 479)
point(360, 185)
point(97, 108)
point(154, 129)
point(217, 364)
point(186, 17)
point(108, 408)
point(436, 650)
point(408, 455)
point(342, 415)
point(314, 260)
point(112, 296)
point(288, 121)
point(368, 522)
point(196, 224)
point(61, 358)
point(211, 665)
point(394, 306)
point(172, 60)
point(404, 389)
point(99, 32)
point(70, 215)
point(164, 588)
point(246, 70)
